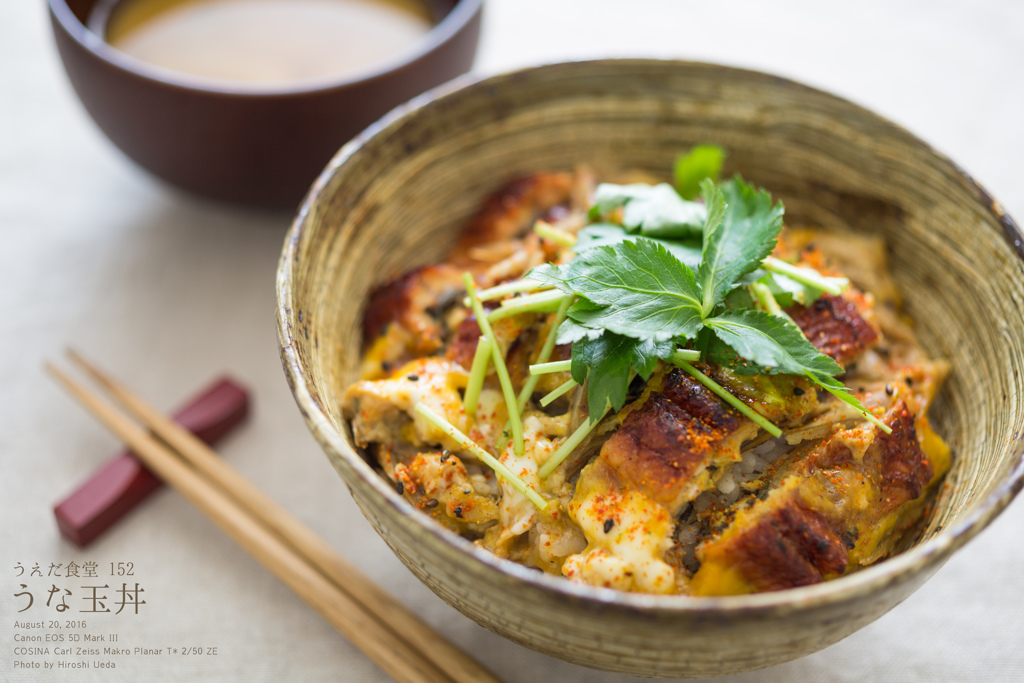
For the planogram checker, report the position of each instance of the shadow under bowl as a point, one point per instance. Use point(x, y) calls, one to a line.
point(257, 146)
point(397, 196)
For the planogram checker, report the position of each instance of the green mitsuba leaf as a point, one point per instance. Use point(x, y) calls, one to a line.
point(606, 363)
point(687, 250)
point(601, 235)
point(663, 213)
point(718, 352)
point(570, 332)
point(646, 353)
point(608, 197)
point(736, 246)
point(703, 161)
point(714, 200)
point(740, 298)
point(755, 354)
point(642, 290)
point(772, 342)
point(650, 210)
point(582, 310)
point(638, 297)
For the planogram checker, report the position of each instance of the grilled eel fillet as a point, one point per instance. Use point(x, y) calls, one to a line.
point(830, 509)
point(416, 314)
point(626, 498)
point(670, 442)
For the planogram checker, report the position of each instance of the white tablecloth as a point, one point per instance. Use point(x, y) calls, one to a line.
point(168, 291)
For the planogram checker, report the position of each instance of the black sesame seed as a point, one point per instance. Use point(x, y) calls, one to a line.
point(412, 378)
point(430, 503)
point(399, 488)
point(608, 524)
point(458, 512)
point(445, 455)
point(385, 366)
point(798, 391)
point(889, 391)
point(909, 381)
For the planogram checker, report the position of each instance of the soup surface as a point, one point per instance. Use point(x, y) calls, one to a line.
point(266, 41)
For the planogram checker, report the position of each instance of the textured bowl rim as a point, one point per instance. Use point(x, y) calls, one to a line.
point(929, 555)
point(444, 31)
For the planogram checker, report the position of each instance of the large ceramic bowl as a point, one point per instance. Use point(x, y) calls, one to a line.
point(397, 195)
point(259, 145)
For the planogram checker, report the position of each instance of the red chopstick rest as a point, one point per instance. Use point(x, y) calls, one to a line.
point(124, 482)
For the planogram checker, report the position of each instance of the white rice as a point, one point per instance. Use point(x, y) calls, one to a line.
point(728, 490)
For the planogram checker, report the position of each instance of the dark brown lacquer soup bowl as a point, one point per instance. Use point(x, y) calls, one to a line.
point(396, 197)
point(253, 146)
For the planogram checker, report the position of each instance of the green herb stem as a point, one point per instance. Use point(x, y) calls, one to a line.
point(476, 375)
point(499, 467)
point(569, 445)
point(806, 276)
point(559, 237)
point(553, 366)
point(684, 355)
point(514, 287)
point(717, 389)
point(564, 388)
point(545, 352)
point(544, 302)
point(767, 300)
point(848, 398)
point(515, 422)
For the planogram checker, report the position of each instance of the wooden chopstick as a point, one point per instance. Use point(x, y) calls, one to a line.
point(374, 621)
point(377, 601)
